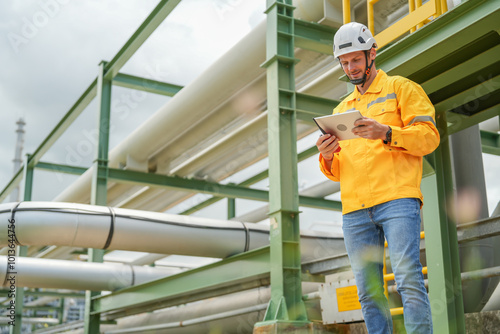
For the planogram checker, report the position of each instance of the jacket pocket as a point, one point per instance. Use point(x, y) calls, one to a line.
point(386, 113)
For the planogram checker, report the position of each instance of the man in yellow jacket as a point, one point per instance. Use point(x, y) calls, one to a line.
point(380, 175)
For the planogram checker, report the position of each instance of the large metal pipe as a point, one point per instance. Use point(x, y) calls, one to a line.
point(81, 225)
point(237, 97)
point(230, 98)
point(471, 205)
point(204, 115)
point(77, 275)
point(320, 190)
point(234, 313)
point(26, 320)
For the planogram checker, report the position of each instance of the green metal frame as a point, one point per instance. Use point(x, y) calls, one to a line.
point(286, 305)
point(445, 291)
point(313, 36)
point(336, 206)
point(239, 272)
point(212, 188)
point(145, 85)
point(66, 169)
point(27, 292)
point(418, 56)
point(22, 251)
point(490, 142)
point(99, 186)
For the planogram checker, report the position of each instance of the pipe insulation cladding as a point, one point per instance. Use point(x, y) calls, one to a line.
point(76, 275)
point(88, 226)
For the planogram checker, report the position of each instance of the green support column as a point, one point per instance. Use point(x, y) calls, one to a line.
point(99, 183)
point(286, 310)
point(445, 286)
point(231, 208)
point(22, 251)
point(60, 311)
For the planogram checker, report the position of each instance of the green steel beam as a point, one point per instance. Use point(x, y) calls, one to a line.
point(320, 203)
point(145, 85)
point(231, 208)
point(466, 102)
point(490, 142)
point(462, 71)
point(254, 179)
point(313, 36)
point(99, 187)
point(309, 106)
point(175, 182)
point(313, 150)
point(13, 183)
point(59, 129)
point(236, 273)
point(427, 168)
point(45, 308)
point(162, 10)
point(286, 306)
point(99, 184)
point(28, 180)
point(22, 251)
point(202, 205)
point(75, 170)
point(65, 122)
point(212, 188)
point(479, 229)
point(60, 311)
point(457, 122)
point(446, 35)
point(445, 287)
point(4, 293)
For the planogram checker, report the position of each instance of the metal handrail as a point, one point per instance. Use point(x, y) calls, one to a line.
point(419, 15)
point(390, 277)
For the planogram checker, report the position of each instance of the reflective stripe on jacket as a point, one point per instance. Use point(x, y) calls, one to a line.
point(371, 172)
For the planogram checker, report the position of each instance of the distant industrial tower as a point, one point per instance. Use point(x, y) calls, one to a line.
point(18, 160)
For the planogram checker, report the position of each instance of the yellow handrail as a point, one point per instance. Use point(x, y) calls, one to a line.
point(346, 11)
point(390, 277)
point(418, 16)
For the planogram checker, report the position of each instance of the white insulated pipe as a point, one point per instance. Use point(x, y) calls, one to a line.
point(320, 190)
point(28, 320)
point(227, 96)
point(233, 313)
point(76, 275)
point(81, 225)
point(194, 110)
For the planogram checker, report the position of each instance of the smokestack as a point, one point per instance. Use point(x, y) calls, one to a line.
point(18, 160)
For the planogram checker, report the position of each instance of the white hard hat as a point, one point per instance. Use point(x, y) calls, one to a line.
point(352, 37)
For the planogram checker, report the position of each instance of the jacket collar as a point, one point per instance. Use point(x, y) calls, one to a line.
point(375, 87)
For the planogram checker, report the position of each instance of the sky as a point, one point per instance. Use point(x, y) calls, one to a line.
point(51, 49)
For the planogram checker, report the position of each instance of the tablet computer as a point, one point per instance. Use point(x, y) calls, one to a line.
point(339, 125)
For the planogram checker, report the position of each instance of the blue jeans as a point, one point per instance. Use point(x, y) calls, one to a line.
point(364, 231)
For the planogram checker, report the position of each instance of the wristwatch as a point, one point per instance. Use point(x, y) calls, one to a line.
point(388, 136)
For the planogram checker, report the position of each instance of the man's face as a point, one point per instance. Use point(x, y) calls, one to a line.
point(354, 64)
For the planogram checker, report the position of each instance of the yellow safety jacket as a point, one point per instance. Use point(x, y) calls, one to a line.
point(371, 172)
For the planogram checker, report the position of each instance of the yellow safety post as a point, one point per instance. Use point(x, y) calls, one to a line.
point(346, 10)
point(411, 5)
point(390, 277)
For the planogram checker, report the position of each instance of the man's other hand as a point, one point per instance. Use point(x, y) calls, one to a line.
point(370, 129)
point(327, 145)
